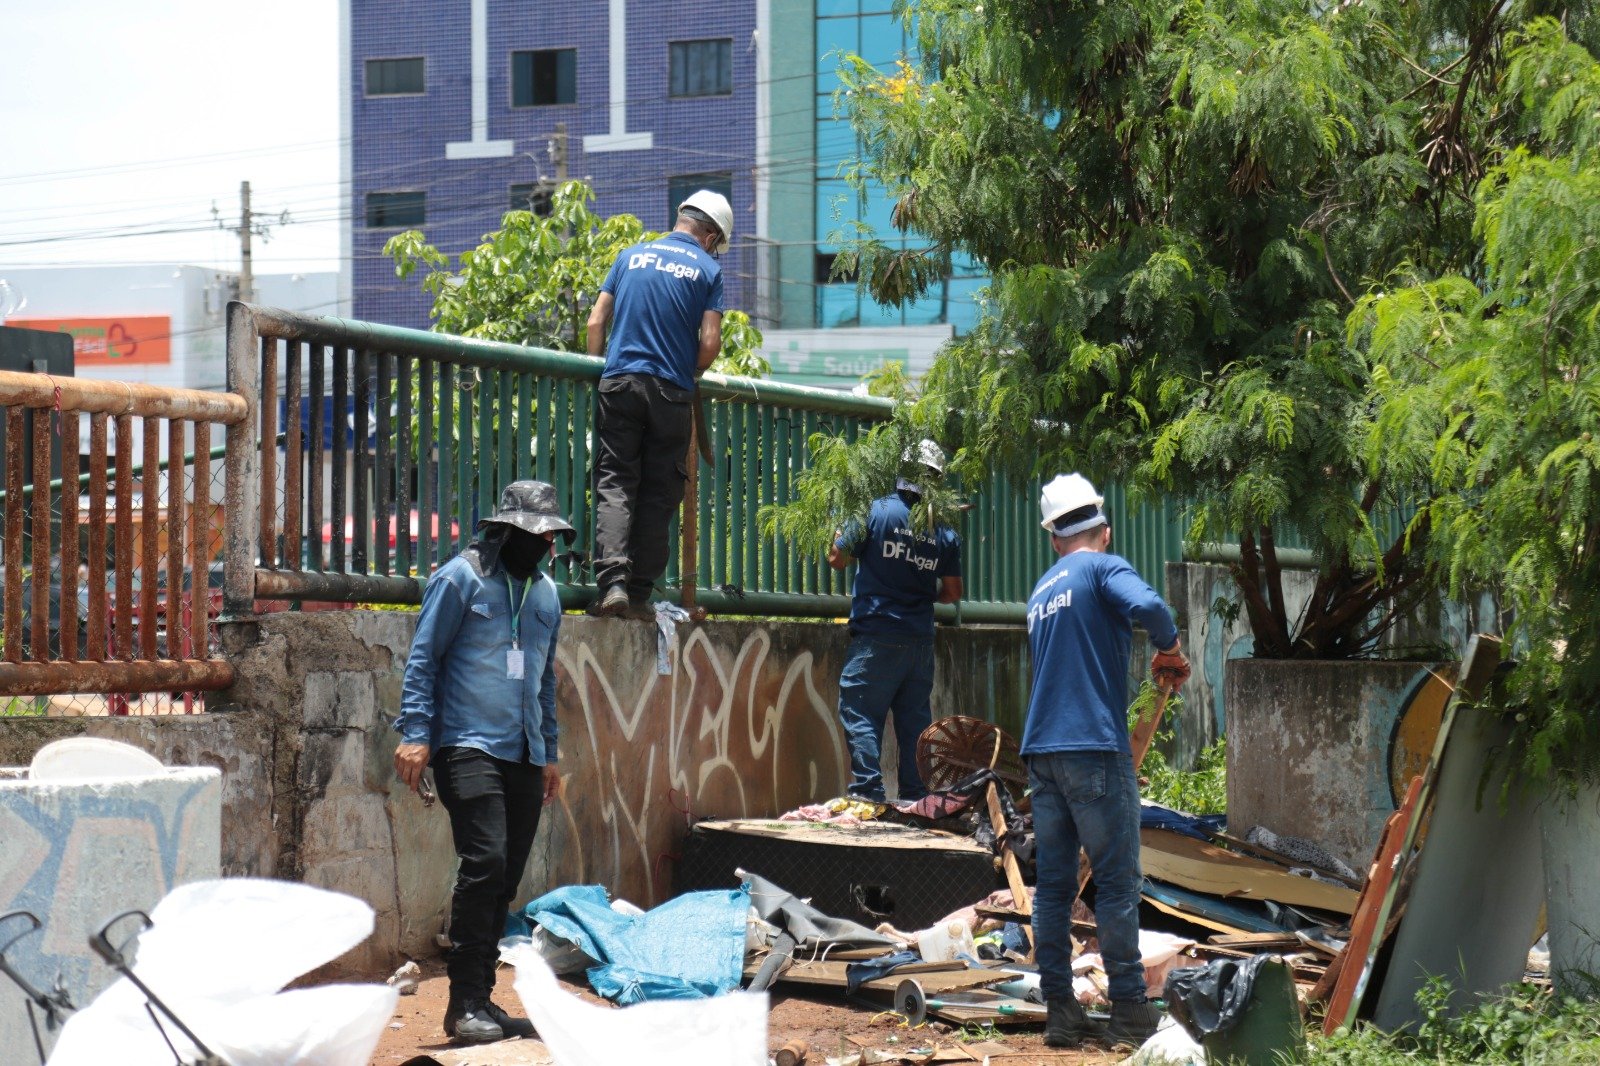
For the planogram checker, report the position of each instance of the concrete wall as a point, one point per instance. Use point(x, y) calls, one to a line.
point(1210, 641)
point(746, 724)
point(77, 853)
point(1315, 748)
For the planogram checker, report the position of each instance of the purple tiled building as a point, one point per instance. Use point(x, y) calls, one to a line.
point(453, 109)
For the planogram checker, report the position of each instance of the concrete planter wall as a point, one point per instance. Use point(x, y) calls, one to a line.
point(76, 854)
point(1316, 749)
point(1570, 828)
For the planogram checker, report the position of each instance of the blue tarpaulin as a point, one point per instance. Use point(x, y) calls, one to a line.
point(1199, 826)
point(688, 947)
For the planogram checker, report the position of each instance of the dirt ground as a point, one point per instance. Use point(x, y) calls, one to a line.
point(829, 1024)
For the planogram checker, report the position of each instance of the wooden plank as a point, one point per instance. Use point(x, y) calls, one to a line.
point(869, 835)
point(1261, 941)
point(1477, 667)
point(1145, 731)
point(1019, 888)
point(1194, 864)
point(1472, 908)
point(1365, 924)
point(948, 977)
point(858, 954)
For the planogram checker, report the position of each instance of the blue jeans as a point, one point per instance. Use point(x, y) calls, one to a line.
point(884, 674)
point(1087, 798)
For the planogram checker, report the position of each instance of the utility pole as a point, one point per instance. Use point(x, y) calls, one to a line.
point(558, 152)
point(249, 226)
point(247, 277)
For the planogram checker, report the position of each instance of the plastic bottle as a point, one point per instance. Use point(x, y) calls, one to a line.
point(943, 943)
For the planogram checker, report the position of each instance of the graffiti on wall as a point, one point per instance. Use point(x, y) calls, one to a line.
point(75, 854)
point(734, 731)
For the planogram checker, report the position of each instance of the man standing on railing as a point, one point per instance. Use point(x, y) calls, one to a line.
point(666, 298)
point(902, 572)
point(1080, 766)
point(479, 706)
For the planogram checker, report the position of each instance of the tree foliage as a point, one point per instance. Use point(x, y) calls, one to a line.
point(534, 279)
point(845, 474)
point(1179, 202)
point(1490, 384)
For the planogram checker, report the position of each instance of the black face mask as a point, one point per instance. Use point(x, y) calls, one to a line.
point(523, 552)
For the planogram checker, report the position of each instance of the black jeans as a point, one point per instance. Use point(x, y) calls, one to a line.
point(494, 812)
point(641, 464)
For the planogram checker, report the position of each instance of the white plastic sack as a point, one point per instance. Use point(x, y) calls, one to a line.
point(1170, 1046)
point(334, 1025)
point(729, 1030)
point(216, 954)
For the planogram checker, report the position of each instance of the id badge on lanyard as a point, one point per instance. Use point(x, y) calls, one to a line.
point(514, 661)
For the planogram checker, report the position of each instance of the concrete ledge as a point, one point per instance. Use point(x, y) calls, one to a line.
point(76, 854)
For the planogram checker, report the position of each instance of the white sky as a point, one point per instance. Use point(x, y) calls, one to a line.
point(118, 117)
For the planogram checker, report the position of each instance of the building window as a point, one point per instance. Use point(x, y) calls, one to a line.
point(823, 270)
point(702, 68)
point(391, 210)
point(681, 187)
point(531, 196)
point(394, 77)
point(544, 77)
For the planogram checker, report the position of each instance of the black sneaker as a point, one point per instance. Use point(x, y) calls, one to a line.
point(470, 1023)
point(517, 1027)
point(613, 602)
point(1067, 1024)
point(1132, 1023)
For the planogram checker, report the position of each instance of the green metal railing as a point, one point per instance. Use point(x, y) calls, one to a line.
point(392, 442)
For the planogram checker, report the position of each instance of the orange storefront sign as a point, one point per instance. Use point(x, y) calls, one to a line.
point(111, 341)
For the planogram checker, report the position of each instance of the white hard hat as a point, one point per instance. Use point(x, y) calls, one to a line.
point(714, 206)
point(1068, 493)
point(927, 453)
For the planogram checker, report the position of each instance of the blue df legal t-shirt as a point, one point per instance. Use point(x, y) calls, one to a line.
point(897, 569)
point(1080, 632)
point(662, 289)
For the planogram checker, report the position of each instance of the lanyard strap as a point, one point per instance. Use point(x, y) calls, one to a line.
point(516, 608)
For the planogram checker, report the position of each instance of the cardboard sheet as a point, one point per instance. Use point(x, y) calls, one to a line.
point(1203, 867)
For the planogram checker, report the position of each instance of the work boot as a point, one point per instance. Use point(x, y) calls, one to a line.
point(612, 603)
point(1066, 1024)
point(640, 610)
point(1132, 1023)
point(469, 1022)
point(518, 1027)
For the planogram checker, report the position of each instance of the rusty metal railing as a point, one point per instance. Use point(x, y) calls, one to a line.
point(154, 640)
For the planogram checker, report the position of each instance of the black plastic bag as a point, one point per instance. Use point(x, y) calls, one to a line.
point(1212, 998)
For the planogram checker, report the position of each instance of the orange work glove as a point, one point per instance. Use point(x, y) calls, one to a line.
point(1169, 670)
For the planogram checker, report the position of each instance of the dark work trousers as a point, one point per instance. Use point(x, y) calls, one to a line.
point(494, 812)
point(641, 464)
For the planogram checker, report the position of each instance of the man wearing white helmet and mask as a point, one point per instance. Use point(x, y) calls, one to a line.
point(902, 572)
point(1080, 766)
point(663, 303)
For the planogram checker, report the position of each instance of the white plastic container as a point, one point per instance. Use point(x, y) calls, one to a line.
point(1025, 987)
point(943, 943)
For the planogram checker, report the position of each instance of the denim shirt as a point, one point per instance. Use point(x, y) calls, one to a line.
point(456, 691)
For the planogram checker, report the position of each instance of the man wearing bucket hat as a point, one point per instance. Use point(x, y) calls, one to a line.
point(478, 706)
point(1080, 766)
point(665, 297)
point(901, 573)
